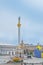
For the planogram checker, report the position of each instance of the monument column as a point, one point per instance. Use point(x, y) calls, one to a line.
point(18, 25)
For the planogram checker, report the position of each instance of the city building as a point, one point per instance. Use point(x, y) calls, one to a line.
point(7, 50)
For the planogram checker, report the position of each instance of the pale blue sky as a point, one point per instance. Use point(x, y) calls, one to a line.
point(31, 13)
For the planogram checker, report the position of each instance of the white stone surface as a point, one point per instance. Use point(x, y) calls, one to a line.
point(33, 60)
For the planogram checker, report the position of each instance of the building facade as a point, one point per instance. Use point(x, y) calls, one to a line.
point(7, 50)
point(21, 48)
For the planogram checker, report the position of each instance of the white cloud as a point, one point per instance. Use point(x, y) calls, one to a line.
point(31, 26)
point(8, 25)
point(3, 43)
point(33, 4)
point(31, 30)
